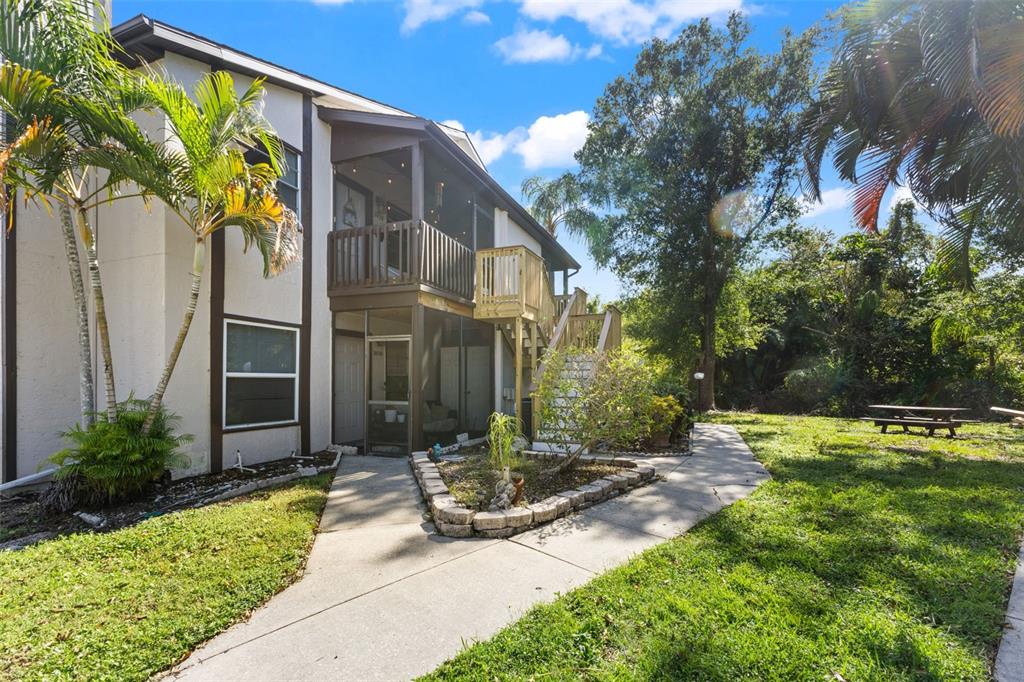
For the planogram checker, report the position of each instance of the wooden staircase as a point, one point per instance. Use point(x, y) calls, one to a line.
point(514, 292)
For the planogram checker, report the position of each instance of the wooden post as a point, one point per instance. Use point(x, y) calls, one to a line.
point(416, 350)
point(416, 171)
point(534, 350)
point(519, 367)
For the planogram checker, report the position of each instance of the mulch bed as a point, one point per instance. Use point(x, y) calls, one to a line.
point(23, 518)
point(472, 480)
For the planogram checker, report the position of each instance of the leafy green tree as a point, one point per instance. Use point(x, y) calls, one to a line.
point(694, 153)
point(65, 96)
point(930, 93)
point(586, 399)
point(214, 187)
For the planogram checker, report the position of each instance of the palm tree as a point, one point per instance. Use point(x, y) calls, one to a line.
point(558, 202)
point(930, 94)
point(213, 185)
point(61, 91)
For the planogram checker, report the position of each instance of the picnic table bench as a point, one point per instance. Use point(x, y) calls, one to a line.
point(929, 418)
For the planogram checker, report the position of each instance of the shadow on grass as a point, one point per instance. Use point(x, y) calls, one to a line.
point(857, 559)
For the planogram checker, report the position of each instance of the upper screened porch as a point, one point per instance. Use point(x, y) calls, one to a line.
point(416, 214)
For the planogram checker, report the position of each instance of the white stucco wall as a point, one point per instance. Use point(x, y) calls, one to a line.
point(47, 339)
point(508, 232)
point(322, 326)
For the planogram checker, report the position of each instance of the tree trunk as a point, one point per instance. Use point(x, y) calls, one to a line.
point(706, 399)
point(103, 331)
point(198, 263)
point(571, 459)
point(712, 291)
point(86, 387)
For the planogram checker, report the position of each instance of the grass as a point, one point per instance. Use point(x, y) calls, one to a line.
point(866, 557)
point(126, 604)
point(472, 480)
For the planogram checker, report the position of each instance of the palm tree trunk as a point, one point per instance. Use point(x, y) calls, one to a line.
point(86, 387)
point(198, 263)
point(89, 237)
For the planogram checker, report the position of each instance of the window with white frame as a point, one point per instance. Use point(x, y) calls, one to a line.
point(261, 374)
point(288, 183)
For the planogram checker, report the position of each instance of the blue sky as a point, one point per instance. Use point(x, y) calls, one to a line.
point(521, 76)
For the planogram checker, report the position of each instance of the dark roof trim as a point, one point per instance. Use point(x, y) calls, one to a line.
point(148, 39)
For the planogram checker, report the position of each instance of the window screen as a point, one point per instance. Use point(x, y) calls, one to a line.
point(260, 384)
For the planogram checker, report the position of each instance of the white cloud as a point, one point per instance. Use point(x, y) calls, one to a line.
point(419, 12)
point(834, 199)
point(331, 2)
point(529, 45)
point(549, 142)
point(901, 193)
point(475, 18)
point(627, 21)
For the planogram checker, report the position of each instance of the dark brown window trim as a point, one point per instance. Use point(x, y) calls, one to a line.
point(260, 427)
point(9, 428)
point(306, 209)
point(230, 317)
point(217, 258)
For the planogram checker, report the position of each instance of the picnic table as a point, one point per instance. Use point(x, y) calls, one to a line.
point(928, 418)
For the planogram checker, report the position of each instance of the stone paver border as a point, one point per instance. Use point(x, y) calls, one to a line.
point(458, 521)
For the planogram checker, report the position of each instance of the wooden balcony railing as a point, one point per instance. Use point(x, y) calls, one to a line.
point(411, 252)
point(512, 281)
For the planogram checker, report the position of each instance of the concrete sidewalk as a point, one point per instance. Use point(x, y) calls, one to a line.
point(383, 598)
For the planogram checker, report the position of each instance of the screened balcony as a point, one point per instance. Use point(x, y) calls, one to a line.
point(404, 220)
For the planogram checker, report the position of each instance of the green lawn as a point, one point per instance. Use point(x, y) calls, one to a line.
point(127, 604)
point(866, 557)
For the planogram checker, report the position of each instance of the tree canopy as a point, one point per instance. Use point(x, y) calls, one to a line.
point(694, 153)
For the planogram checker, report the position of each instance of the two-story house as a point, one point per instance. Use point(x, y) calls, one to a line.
point(424, 298)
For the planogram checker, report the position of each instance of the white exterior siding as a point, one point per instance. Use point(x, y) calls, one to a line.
point(322, 323)
point(508, 232)
point(47, 339)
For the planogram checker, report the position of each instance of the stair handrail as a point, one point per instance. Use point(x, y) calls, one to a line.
point(611, 330)
point(556, 337)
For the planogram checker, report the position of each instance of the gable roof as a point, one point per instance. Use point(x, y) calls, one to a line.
point(145, 39)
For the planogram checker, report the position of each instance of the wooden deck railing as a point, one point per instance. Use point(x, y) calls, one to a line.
point(513, 281)
point(402, 253)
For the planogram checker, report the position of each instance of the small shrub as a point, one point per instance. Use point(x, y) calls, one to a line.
point(112, 461)
point(502, 432)
point(664, 413)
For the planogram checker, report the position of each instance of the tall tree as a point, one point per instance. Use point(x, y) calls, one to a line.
point(694, 153)
point(558, 202)
point(216, 187)
point(62, 89)
point(930, 93)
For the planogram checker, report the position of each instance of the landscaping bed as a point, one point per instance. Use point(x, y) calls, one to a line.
point(26, 522)
point(864, 557)
point(127, 604)
point(471, 480)
point(477, 517)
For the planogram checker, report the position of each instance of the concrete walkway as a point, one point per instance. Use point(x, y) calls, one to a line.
point(1010, 659)
point(383, 598)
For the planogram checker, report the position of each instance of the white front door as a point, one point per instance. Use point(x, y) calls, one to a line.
point(349, 353)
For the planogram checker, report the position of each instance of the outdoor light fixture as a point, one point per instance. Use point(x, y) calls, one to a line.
point(699, 376)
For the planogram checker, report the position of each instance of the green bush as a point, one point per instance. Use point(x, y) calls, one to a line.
point(112, 461)
point(665, 411)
